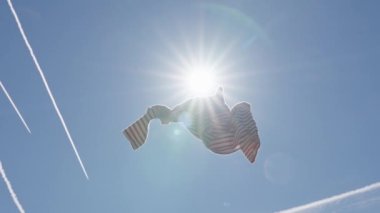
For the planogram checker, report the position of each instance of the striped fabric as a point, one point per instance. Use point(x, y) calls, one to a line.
point(246, 133)
point(227, 132)
point(222, 130)
point(212, 123)
point(138, 131)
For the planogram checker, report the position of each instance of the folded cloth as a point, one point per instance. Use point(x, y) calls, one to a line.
point(221, 130)
point(246, 133)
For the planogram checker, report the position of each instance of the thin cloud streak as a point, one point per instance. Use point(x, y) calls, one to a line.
point(333, 199)
point(46, 85)
point(15, 107)
point(10, 189)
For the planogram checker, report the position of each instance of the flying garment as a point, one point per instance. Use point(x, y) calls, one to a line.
point(221, 129)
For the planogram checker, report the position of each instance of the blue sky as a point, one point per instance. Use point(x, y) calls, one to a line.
point(309, 69)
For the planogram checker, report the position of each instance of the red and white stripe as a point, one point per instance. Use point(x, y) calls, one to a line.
point(246, 133)
point(221, 130)
point(138, 131)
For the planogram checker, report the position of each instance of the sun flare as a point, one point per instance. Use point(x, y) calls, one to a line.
point(201, 81)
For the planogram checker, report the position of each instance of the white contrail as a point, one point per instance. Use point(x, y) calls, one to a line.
point(10, 189)
point(15, 107)
point(332, 199)
point(46, 85)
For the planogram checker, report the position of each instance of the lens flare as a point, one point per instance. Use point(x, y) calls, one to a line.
point(201, 81)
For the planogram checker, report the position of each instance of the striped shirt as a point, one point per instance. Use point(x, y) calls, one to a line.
point(222, 130)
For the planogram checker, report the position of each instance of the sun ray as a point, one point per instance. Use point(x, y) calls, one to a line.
point(195, 66)
point(201, 80)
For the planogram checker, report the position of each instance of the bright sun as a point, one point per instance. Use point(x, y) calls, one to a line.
point(201, 81)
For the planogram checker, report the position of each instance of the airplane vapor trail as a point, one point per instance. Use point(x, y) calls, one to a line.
point(10, 189)
point(15, 107)
point(333, 199)
point(46, 85)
